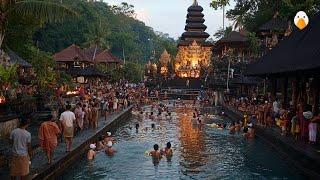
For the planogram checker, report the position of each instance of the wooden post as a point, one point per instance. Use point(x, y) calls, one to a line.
point(315, 95)
point(284, 92)
point(273, 88)
point(294, 97)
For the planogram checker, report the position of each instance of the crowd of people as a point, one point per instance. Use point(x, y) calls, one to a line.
point(299, 122)
point(74, 114)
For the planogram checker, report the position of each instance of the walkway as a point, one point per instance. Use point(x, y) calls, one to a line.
point(39, 160)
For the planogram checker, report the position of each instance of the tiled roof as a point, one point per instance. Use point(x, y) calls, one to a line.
point(233, 36)
point(14, 58)
point(107, 57)
point(74, 52)
point(70, 54)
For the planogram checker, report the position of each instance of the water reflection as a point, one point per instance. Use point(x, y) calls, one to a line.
point(192, 141)
point(198, 153)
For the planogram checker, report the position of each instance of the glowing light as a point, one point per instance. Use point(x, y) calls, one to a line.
point(72, 92)
point(190, 59)
point(2, 99)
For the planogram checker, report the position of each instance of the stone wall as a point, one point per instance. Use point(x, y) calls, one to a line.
point(7, 126)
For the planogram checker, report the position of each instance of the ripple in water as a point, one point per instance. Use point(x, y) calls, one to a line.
point(199, 153)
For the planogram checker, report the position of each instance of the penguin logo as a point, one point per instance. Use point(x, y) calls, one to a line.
point(301, 20)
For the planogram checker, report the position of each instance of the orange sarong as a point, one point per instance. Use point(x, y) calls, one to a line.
point(19, 165)
point(48, 135)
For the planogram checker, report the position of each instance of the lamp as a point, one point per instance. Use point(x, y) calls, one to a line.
point(2, 99)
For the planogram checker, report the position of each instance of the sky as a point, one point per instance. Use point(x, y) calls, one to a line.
point(169, 16)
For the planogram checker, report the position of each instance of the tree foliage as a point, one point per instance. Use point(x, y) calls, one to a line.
point(222, 33)
point(43, 10)
point(253, 13)
point(113, 26)
point(219, 3)
point(8, 75)
point(43, 66)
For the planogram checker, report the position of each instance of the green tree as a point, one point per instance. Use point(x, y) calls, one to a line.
point(254, 44)
point(220, 4)
point(43, 10)
point(8, 75)
point(124, 35)
point(222, 33)
point(125, 9)
point(98, 37)
point(133, 72)
point(46, 76)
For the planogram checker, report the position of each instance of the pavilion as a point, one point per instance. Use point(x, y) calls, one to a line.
point(294, 65)
point(81, 63)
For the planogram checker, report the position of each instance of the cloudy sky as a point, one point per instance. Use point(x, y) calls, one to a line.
point(169, 16)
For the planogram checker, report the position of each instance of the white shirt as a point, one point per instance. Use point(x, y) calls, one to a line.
point(20, 138)
point(67, 118)
point(276, 107)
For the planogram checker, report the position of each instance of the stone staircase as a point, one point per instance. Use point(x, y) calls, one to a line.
point(181, 83)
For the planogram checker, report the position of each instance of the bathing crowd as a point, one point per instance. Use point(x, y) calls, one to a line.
point(299, 122)
point(74, 115)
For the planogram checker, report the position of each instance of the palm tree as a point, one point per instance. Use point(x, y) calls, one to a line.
point(40, 9)
point(97, 37)
point(220, 3)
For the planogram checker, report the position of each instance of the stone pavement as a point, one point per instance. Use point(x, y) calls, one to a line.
point(39, 160)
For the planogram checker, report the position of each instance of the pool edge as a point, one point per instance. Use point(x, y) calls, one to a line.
point(67, 160)
point(298, 158)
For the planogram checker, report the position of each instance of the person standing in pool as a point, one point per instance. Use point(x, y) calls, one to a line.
point(155, 154)
point(91, 153)
point(167, 151)
point(232, 128)
point(109, 138)
point(109, 150)
point(237, 127)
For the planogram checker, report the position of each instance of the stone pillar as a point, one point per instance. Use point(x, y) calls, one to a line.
point(216, 98)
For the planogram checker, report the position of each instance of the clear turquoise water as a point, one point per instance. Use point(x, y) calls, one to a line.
point(199, 153)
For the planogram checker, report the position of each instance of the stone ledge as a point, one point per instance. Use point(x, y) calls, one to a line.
point(68, 159)
point(300, 158)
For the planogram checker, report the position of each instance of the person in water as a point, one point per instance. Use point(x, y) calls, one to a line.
point(246, 133)
point(100, 143)
point(109, 138)
point(237, 126)
point(155, 154)
point(232, 128)
point(109, 150)
point(167, 150)
point(151, 115)
point(91, 153)
point(199, 121)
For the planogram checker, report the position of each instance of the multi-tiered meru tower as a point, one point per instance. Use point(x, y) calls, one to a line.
point(194, 53)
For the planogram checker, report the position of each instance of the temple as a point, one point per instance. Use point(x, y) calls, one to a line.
point(194, 53)
point(165, 63)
